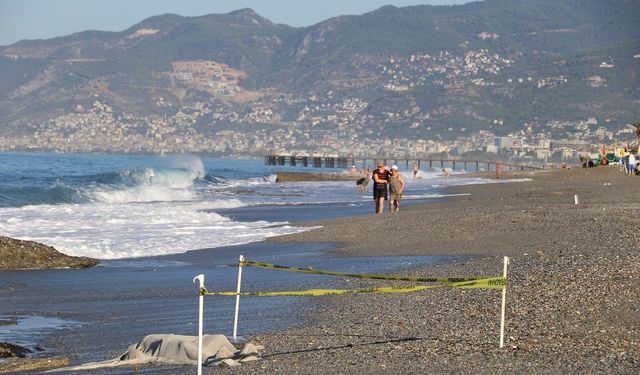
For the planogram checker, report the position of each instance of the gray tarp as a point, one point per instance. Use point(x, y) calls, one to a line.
point(172, 349)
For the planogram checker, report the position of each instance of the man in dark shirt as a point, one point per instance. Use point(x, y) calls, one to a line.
point(381, 180)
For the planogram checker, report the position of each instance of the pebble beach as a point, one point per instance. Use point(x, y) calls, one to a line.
point(572, 296)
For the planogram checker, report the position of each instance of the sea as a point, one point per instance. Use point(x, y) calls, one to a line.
point(130, 206)
point(156, 222)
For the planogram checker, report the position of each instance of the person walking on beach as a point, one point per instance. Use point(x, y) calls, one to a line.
point(624, 160)
point(380, 182)
point(396, 187)
point(498, 170)
point(415, 171)
point(632, 164)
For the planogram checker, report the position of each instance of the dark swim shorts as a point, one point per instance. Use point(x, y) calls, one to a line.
point(380, 191)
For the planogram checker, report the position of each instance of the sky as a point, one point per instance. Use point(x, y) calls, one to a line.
point(44, 19)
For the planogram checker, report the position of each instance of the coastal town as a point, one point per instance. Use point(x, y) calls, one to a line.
point(233, 121)
point(412, 189)
point(98, 129)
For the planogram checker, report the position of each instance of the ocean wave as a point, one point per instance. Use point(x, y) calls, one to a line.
point(125, 186)
point(222, 182)
point(148, 185)
point(131, 186)
point(29, 195)
point(140, 194)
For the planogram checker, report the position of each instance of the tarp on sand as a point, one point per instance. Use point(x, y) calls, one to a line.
point(169, 349)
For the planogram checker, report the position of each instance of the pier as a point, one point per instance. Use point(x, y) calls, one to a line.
point(338, 162)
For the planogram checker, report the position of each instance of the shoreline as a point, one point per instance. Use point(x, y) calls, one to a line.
point(90, 329)
point(469, 223)
point(571, 302)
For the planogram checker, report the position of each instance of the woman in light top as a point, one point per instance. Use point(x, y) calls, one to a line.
point(396, 187)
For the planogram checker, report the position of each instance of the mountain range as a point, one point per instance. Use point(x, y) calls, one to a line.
point(439, 72)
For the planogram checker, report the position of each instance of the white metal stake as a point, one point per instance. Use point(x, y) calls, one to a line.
point(200, 318)
point(576, 199)
point(235, 319)
point(504, 302)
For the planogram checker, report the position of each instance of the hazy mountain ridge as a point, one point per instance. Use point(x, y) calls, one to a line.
point(439, 67)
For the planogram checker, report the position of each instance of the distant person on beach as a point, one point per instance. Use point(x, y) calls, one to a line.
point(396, 187)
point(624, 160)
point(631, 169)
point(445, 172)
point(498, 170)
point(381, 180)
point(353, 169)
point(415, 171)
point(363, 184)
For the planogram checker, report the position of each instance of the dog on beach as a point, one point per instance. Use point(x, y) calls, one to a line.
point(362, 185)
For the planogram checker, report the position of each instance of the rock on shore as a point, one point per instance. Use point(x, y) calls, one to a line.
point(17, 254)
point(9, 350)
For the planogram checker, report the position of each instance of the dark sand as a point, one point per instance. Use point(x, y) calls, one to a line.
point(572, 300)
point(88, 315)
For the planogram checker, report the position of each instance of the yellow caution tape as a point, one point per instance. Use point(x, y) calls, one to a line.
point(488, 283)
point(361, 276)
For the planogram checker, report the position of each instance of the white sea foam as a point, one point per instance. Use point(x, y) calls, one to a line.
point(113, 231)
point(145, 193)
point(188, 162)
point(149, 185)
point(173, 208)
point(249, 182)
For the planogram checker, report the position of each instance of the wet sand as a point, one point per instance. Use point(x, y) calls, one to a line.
point(572, 300)
point(87, 315)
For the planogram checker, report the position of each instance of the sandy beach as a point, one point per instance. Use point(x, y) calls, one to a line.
point(572, 299)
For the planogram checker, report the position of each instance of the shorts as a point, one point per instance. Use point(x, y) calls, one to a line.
point(631, 166)
point(380, 191)
point(395, 197)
